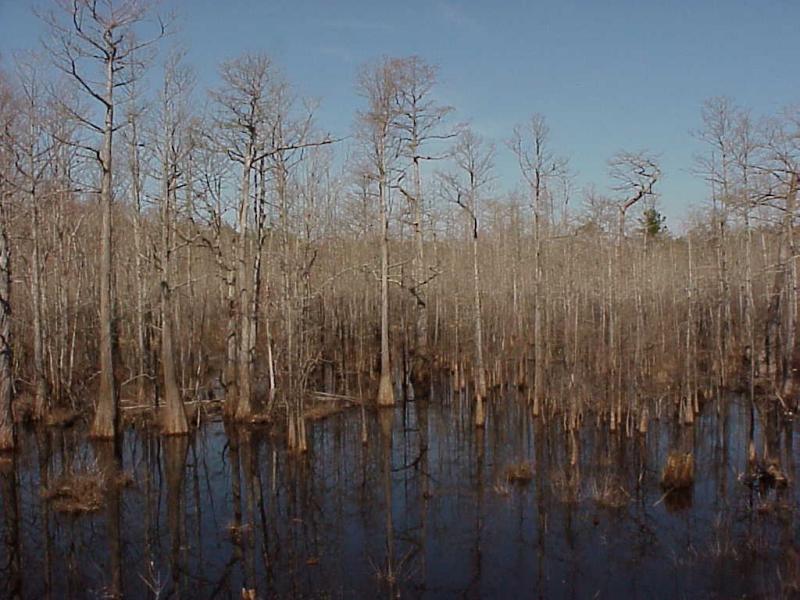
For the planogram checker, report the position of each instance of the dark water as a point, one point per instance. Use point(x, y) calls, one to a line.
point(424, 510)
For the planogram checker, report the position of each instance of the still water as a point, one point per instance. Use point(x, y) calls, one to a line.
point(424, 509)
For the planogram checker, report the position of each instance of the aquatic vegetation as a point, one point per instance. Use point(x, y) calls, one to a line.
point(519, 473)
point(608, 492)
point(76, 493)
point(678, 472)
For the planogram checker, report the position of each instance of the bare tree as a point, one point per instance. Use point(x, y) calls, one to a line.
point(243, 118)
point(474, 161)
point(178, 81)
point(246, 125)
point(717, 133)
point(33, 152)
point(782, 171)
point(376, 83)
point(135, 114)
point(419, 122)
point(7, 430)
point(95, 44)
point(635, 175)
point(531, 144)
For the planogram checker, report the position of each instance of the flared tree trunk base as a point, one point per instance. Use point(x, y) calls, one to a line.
point(480, 412)
point(385, 391)
point(103, 426)
point(6, 439)
point(174, 422)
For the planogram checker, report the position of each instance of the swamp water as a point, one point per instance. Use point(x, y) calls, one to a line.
point(430, 507)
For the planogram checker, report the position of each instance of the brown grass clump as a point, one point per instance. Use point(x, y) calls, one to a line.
point(776, 476)
point(764, 476)
point(323, 411)
point(124, 479)
point(62, 417)
point(501, 488)
point(678, 473)
point(519, 473)
point(565, 487)
point(76, 493)
point(83, 491)
point(610, 493)
point(237, 532)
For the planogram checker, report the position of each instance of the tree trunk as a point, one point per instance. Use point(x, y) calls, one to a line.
point(385, 388)
point(419, 263)
point(7, 437)
point(244, 406)
point(40, 398)
point(173, 421)
point(538, 329)
point(480, 372)
point(136, 191)
point(790, 361)
point(106, 417)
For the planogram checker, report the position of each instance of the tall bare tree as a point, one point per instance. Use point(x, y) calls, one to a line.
point(419, 122)
point(246, 111)
point(243, 118)
point(378, 86)
point(539, 166)
point(174, 120)
point(635, 175)
point(96, 43)
point(782, 172)
point(716, 167)
point(474, 161)
point(32, 151)
point(7, 112)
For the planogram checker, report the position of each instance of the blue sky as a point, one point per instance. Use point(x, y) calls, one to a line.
point(607, 75)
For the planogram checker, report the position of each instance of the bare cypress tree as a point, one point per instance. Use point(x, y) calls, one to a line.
point(376, 83)
point(782, 167)
point(243, 115)
point(174, 118)
point(7, 432)
point(95, 44)
point(531, 144)
point(33, 154)
point(635, 175)
point(474, 161)
point(137, 179)
point(718, 115)
point(419, 122)
point(245, 120)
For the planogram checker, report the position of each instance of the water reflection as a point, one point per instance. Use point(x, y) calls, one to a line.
point(427, 508)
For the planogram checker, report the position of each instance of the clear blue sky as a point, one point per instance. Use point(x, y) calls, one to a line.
point(607, 75)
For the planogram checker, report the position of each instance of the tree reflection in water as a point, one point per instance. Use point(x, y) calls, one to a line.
point(425, 508)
